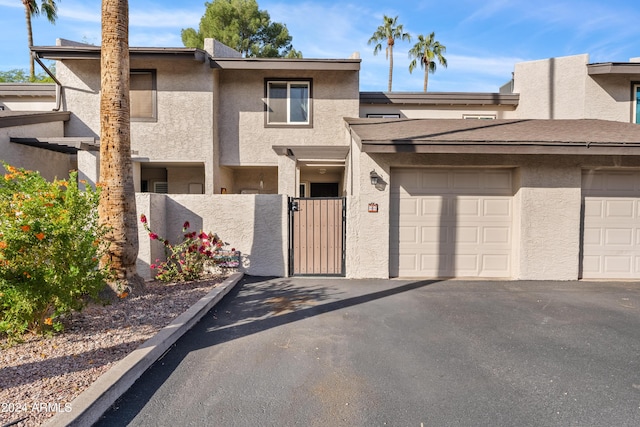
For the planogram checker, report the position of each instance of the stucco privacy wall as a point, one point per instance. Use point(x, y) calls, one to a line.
point(256, 225)
point(50, 164)
point(546, 202)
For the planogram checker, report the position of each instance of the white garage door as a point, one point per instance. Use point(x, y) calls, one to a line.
point(451, 223)
point(611, 225)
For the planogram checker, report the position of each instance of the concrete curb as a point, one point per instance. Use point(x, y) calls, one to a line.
point(89, 406)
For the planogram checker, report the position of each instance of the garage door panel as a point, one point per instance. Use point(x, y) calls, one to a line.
point(408, 207)
point(468, 235)
point(497, 208)
point(463, 220)
point(593, 208)
point(435, 263)
point(618, 264)
point(496, 235)
point(434, 206)
point(592, 236)
point(619, 208)
point(433, 181)
point(467, 264)
point(499, 181)
point(408, 262)
point(408, 234)
point(465, 181)
point(619, 237)
point(468, 207)
point(433, 235)
point(591, 265)
point(611, 225)
point(495, 263)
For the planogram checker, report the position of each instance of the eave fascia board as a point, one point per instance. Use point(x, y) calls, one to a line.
point(286, 64)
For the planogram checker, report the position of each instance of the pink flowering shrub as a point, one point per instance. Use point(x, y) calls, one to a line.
point(188, 259)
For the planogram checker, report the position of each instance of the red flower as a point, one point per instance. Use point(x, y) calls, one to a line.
point(186, 225)
point(143, 219)
point(153, 236)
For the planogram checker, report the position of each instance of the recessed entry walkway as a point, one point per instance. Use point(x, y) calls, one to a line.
point(319, 352)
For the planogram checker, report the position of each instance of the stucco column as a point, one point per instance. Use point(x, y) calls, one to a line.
point(287, 175)
point(367, 239)
point(549, 200)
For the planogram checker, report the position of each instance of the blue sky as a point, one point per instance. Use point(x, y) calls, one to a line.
point(484, 39)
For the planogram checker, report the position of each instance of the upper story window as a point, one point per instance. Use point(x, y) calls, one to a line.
point(288, 102)
point(142, 94)
point(383, 116)
point(636, 103)
point(479, 116)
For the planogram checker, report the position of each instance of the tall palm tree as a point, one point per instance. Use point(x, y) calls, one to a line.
point(389, 32)
point(427, 50)
point(117, 208)
point(31, 8)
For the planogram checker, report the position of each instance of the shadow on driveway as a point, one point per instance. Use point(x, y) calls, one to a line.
point(256, 304)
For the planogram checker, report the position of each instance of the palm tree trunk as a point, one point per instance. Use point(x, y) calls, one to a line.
point(390, 66)
point(427, 67)
point(27, 11)
point(117, 207)
point(426, 79)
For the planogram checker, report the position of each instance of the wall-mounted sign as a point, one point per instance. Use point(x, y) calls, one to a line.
point(373, 208)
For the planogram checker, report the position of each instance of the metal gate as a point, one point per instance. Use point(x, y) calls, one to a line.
point(317, 236)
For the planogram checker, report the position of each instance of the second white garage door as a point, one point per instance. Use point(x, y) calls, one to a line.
point(611, 225)
point(451, 222)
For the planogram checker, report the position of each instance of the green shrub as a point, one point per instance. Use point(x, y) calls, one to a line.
point(50, 246)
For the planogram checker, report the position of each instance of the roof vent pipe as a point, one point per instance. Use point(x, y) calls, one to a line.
point(57, 82)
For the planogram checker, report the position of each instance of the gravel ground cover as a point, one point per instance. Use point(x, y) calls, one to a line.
point(41, 376)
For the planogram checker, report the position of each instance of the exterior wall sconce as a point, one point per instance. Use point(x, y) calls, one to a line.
point(374, 177)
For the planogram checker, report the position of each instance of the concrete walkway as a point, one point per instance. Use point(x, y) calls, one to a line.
point(318, 352)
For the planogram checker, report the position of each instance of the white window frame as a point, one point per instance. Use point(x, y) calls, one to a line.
point(479, 116)
point(289, 84)
point(635, 99)
point(383, 116)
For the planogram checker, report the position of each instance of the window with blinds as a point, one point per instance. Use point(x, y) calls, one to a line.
point(142, 94)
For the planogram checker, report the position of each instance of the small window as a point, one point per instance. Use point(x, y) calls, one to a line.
point(636, 103)
point(288, 102)
point(142, 94)
point(161, 187)
point(383, 116)
point(479, 116)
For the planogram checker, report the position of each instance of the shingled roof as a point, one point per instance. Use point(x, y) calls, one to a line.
point(517, 136)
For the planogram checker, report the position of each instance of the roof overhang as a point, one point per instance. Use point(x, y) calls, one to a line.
point(628, 68)
point(28, 89)
point(314, 153)
point(459, 136)
point(93, 52)
point(24, 118)
point(439, 98)
point(66, 145)
point(286, 64)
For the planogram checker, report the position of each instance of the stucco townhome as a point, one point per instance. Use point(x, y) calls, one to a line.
point(304, 174)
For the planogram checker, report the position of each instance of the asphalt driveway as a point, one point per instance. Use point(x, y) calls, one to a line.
point(336, 352)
